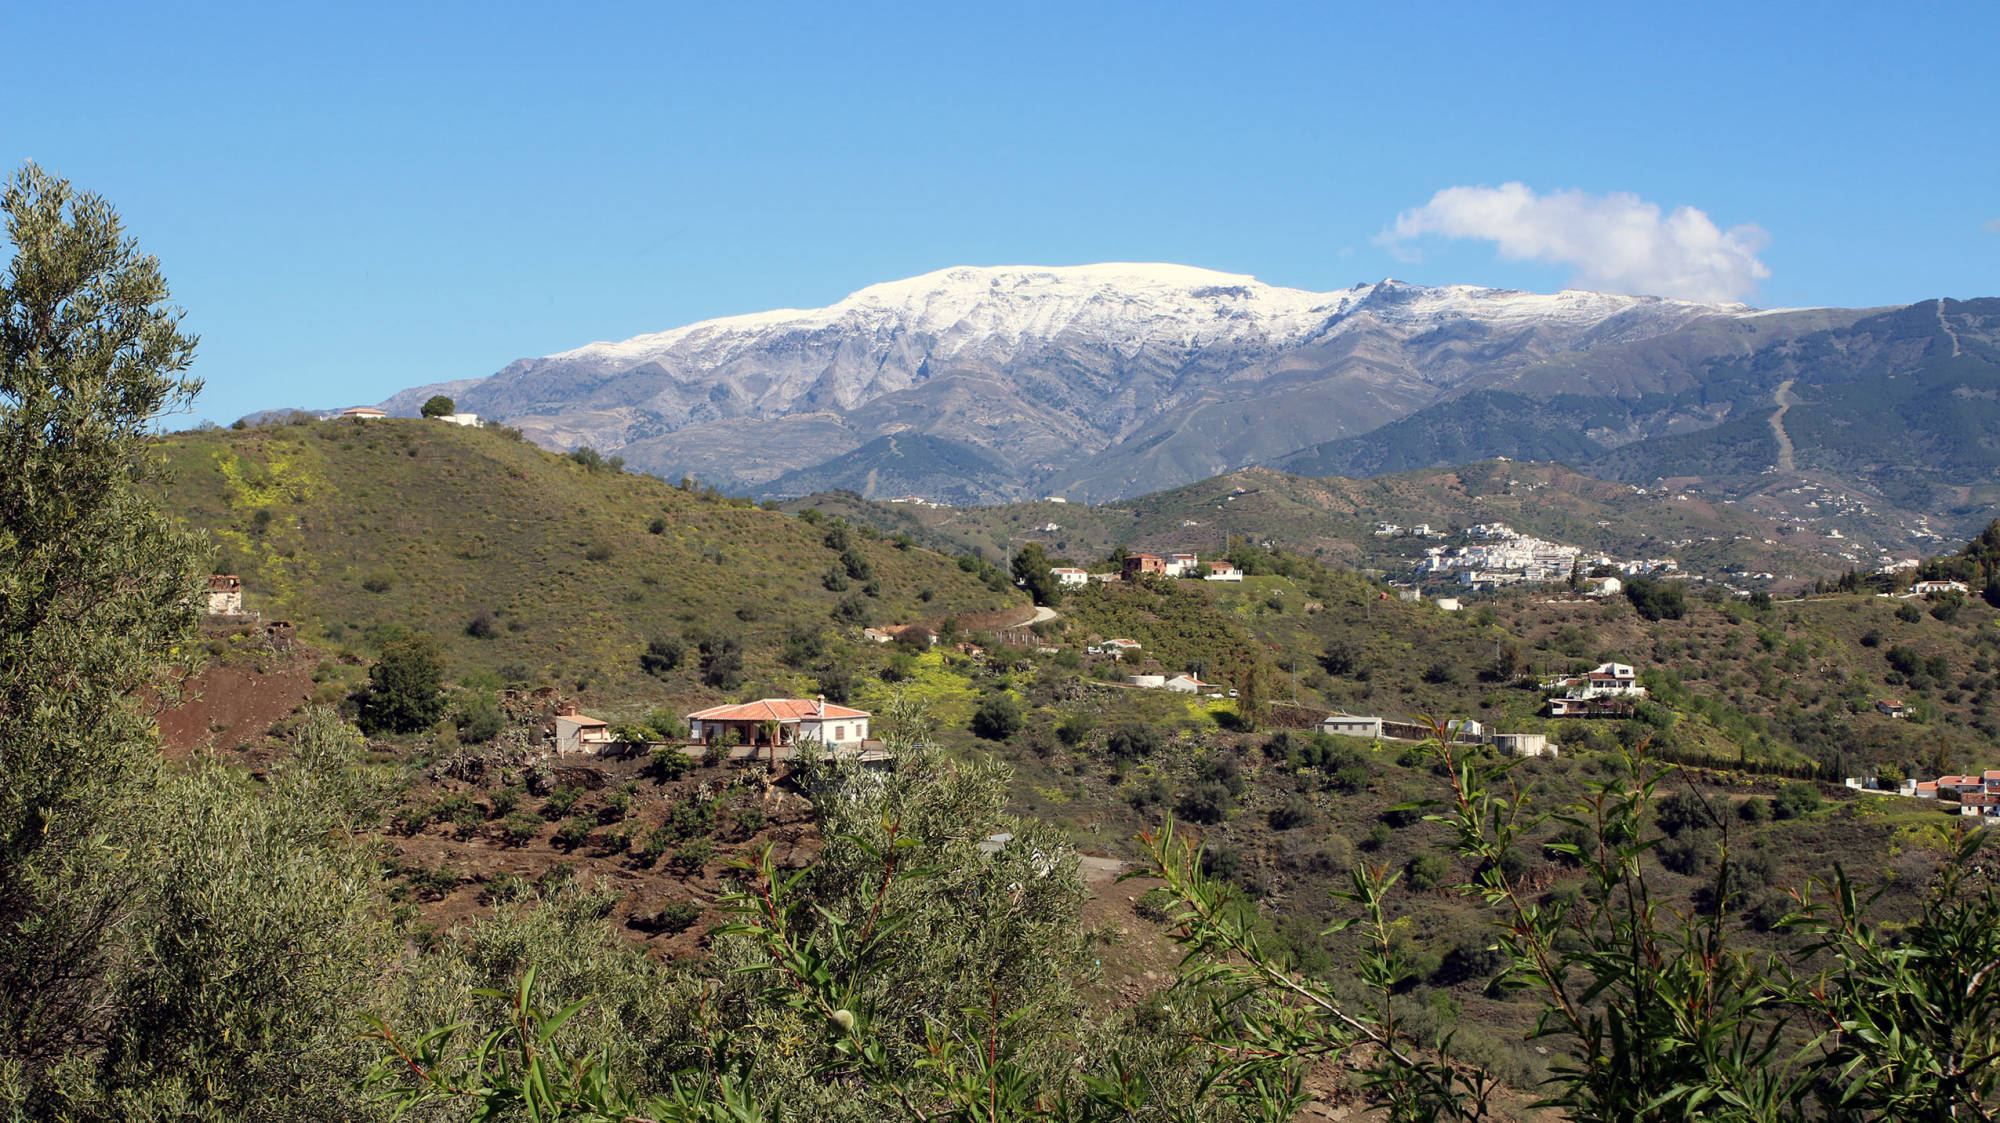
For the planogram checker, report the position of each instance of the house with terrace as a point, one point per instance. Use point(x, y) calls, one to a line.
point(780, 723)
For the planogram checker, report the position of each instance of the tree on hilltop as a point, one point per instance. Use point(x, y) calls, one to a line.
point(439, 406)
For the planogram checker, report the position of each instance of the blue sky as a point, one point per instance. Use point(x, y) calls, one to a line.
point(354, 199)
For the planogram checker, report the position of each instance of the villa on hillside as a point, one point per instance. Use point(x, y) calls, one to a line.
point(364, 413)
point(1067, 575)
point(1116, 648)
point(1352, 725)
point(793, 720)
point(1223, 571)
point(1928, 588)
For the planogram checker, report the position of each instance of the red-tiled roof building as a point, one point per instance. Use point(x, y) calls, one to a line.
point(793, 720)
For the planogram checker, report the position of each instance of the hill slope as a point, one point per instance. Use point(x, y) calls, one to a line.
point(529, 564)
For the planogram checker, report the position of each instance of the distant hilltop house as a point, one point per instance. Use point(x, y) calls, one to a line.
point(581, 733)
point(794, 721)
point(469, 420)
point(1116, 648)
point(1070, 575)
point(364, 413)
point(225, 595)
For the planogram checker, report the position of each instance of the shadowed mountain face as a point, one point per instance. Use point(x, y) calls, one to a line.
point(1093, 381)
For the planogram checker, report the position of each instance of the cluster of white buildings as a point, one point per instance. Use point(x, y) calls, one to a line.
point(1978, 795)
point(1504, 556)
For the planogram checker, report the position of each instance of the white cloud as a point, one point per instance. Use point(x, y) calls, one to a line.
point(1617, 242)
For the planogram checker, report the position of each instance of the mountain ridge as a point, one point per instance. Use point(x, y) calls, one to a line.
point(1061, 374)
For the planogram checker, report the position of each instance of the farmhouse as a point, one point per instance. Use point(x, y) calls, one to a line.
point(1223, 571)
point(1067, 575)
point(225, 595)
point(1930, 588)
point(364, 413)
point(1893, 707)
point(1601, 587)
point(1140, 565)
point(580, 733)
point(793, 721)
point(1352, 725)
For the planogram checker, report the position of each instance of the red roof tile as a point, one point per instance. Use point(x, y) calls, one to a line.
point(776, 709)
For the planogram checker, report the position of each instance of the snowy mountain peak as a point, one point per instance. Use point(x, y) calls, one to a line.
point(1124, 302)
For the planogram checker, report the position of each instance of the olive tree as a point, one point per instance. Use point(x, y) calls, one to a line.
point(97, 598)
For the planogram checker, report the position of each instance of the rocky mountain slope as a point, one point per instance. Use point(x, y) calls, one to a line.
point(1096, 381)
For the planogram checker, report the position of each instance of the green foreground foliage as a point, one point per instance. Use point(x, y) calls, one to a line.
point(188, 941)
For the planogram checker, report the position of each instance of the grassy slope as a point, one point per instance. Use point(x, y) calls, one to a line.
point(346, 527)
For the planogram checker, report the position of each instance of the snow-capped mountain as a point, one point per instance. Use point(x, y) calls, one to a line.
point(1101, 380)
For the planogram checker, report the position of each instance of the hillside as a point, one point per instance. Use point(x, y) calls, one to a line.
point(533, 568)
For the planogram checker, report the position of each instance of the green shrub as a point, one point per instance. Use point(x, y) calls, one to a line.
point(997, 718)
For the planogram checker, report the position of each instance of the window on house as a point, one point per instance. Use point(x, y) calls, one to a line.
point(840, 733)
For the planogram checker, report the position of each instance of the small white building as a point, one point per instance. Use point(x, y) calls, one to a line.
point(1930, 588)
point(1188, 684)
point(1223, 571)
point(1182, 565)
point(1116, 648)
point(1352, 725)
point(364, 413)
point(469, 420)
point(1148, 682)
point(1448, 604)
point(1067, 575)
point(1601, 587)
point(1524, 744)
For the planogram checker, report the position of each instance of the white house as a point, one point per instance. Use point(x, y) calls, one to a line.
point(877, 635)
point(795, 720)
point(469, 420)
point(1448, 604)
point(580, 733)
point(1524, 744)
point(1188, 684)
point(1223, 571)
point(1600, 587)
point(1148, 682)
point(1926, 588)
point(1181, 565)
point(1352, 725)
point(1611, 680)
point(1116, 648)
point(1070, 575)
point(364, 413)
